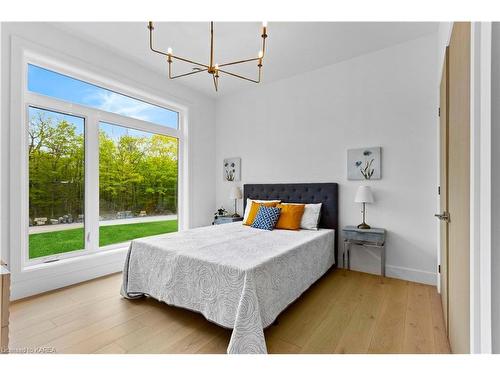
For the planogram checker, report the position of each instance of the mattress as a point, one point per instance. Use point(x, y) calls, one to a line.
point(239, 277)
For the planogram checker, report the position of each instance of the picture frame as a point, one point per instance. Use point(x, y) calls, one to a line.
point(364, 163)
point(231, 169)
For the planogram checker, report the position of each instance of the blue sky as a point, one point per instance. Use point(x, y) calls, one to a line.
point(59, 86)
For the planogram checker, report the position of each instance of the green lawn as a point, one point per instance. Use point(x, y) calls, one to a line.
point(49, 243)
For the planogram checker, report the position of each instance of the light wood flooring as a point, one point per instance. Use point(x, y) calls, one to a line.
point(344, 312)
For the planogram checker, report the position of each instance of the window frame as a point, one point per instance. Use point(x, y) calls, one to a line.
point(52, 107)
point(92, 117)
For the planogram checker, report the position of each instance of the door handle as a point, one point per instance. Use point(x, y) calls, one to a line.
point(445, 216)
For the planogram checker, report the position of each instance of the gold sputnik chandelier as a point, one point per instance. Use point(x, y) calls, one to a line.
point(212, 68)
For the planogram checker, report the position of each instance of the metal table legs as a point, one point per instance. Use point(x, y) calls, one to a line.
point(347, 251)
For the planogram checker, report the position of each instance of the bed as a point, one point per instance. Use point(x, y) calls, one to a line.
point(238, 277)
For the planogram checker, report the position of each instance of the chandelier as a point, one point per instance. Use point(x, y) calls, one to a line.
point(211, 68)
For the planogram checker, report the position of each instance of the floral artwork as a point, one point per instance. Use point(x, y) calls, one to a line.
point(232, 169)
point(364, 164)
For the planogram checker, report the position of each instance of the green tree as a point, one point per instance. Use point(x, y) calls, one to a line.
point(136, 173)
point(56, 167)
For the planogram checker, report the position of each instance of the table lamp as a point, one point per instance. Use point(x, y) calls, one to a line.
point(235, 194)
point(364, 195)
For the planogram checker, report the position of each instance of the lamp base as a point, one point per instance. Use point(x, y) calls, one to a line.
point(235, 211)
point(364, 226)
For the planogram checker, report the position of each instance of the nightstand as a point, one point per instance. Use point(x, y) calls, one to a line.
point(226, 219)
point(374, 237)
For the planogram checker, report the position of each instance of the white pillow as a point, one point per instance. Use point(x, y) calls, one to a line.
point(310, 218)
point(249, 204)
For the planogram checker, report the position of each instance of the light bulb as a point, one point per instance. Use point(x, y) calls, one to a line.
point(264, 24)
point(216, 66)
point(169, 50)
point(261, 54)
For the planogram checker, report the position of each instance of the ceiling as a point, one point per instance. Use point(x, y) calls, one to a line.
point(292, 47)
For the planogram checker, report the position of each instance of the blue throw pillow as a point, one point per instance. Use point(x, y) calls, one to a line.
point(266, 218)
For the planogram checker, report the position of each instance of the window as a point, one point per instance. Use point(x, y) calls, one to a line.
point(137, 184)
point(56, 182)
point(103, 167)
point(55, 85)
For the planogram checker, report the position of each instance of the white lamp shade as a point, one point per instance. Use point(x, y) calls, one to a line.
point(235, 193)
point(364, 195)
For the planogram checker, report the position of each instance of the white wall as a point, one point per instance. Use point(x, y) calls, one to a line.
point(495, 181)
point(298, 130)
point(111, 64)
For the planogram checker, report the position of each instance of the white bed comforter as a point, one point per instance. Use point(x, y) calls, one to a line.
point(236, 276)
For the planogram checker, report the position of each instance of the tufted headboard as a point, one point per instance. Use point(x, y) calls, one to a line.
point(326, 193)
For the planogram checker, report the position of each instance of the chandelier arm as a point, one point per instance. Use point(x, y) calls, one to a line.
point(215, 83)
point(211, 44)
point(151, 28)
point(151, 47)
point(187, 74)
point(264, 37)
point(188, 61)
point(242, 77)
point(240, 62)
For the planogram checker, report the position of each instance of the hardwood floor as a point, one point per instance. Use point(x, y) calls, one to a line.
point(344, 312)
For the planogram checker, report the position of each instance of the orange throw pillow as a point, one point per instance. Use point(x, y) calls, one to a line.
point(255, 208)
point(290, 216)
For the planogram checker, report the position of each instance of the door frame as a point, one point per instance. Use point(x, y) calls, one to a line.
point(480, 199)
point(480, 180)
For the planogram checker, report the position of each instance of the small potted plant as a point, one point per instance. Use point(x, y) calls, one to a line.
point(221, 212)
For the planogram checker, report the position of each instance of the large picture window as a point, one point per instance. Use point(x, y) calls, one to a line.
point(103, 167)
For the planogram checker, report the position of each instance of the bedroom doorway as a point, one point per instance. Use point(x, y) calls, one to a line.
point(455, 188)
point(443, 187)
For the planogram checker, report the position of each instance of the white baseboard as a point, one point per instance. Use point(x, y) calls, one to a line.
point(369, 261)
point(402, 273)
point(411, 274)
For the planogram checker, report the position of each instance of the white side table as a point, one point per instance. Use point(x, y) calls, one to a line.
point(374, 237)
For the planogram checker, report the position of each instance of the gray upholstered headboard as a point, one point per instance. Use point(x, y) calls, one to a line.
point(326, 193)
